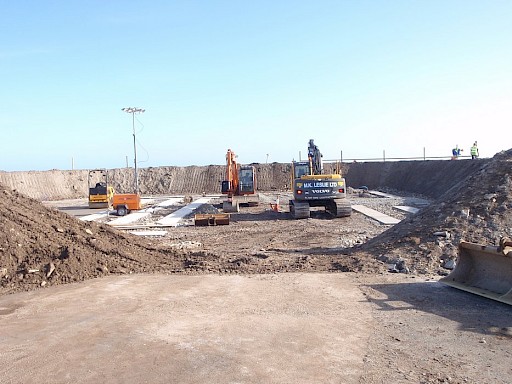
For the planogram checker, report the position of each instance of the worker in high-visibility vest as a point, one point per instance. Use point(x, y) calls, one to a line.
point(474, 151)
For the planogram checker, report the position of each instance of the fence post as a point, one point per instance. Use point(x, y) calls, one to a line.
point(384, 154)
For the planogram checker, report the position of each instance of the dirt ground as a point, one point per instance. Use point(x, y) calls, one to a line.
point(194, 329)
point(275, 328)
point(263, 299)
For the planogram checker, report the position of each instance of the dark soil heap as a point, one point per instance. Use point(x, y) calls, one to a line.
point(41, 247)
point(477, 209)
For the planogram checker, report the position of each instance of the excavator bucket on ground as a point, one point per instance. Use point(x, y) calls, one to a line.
point(207, 219)
point(484, 270)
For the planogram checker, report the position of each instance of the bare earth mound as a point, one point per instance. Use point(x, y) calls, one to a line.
point(41, 247)
point(477, 209)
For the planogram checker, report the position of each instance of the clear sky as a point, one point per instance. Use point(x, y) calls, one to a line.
point(260, 77)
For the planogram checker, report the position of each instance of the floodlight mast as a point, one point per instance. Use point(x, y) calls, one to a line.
point(133, 111)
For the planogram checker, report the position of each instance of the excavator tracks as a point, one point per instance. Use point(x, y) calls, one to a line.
point(342, 208)
point(299, 209)
point(335, 207)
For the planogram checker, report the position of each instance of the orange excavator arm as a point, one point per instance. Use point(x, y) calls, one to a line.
point(232, 172)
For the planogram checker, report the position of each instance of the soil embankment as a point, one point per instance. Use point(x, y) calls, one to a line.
point(429, 178)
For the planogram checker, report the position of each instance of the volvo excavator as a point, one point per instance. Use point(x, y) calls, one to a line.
point(240, 184)
point(313, 188)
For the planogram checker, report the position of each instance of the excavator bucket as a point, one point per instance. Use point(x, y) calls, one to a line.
point(206, 219)
point(484, 270)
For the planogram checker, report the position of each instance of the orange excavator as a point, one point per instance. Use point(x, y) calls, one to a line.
point(239, 186)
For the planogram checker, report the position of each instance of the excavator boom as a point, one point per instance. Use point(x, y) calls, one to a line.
point(231, 174)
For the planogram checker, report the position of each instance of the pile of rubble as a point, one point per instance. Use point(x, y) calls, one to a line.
point(40, 246)
point(477, 209)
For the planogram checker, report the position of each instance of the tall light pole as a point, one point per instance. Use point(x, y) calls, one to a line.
point(133, 111)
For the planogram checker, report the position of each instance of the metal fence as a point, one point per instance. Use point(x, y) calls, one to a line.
point(384, 158)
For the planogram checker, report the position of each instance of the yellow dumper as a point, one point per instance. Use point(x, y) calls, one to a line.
point(100, 192)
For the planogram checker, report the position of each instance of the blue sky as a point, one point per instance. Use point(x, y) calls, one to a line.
point(260, 77)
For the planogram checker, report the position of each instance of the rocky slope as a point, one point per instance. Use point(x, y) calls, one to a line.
point(477, 209)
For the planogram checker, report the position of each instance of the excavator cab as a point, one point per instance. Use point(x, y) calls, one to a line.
point(247, 180)
point(300, 168)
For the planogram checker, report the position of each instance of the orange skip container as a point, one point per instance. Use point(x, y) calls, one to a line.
point(126, 202)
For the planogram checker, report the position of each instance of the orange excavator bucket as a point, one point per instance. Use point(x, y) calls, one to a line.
point(484, 270)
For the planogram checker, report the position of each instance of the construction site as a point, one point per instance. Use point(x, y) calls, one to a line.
point(401, 273)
